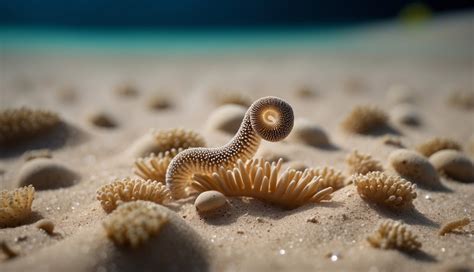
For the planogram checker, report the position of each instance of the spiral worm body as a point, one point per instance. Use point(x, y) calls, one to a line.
point(269, 118)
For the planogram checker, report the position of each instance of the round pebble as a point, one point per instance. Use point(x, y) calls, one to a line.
point(45, 174)
point(307, 132)
point(210, 201)
point(46, 225)
point(454, 164)
point(413, 166)
point(227, 118)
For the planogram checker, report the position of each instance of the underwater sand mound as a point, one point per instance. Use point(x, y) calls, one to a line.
point(46, 174)
point(176, 248)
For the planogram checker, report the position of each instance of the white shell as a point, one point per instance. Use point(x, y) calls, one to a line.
point(210, 201)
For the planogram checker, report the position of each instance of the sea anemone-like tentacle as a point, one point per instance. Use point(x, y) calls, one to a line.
point(268, 118)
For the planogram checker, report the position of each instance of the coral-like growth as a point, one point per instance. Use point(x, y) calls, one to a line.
point(392, 191)
point(394, 235)
point(154, 166)
point(329, 177)
point(21, 123)
point(456, 224)
point(269, 118)
point(134, 223)
point(15, 206)
point(259, 179)
point(176, 138)
point(126, 190)
point(436, 144)
point(363, 119)
point(360, 163)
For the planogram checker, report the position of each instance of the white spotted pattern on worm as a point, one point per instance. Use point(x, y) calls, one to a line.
point(269, 118)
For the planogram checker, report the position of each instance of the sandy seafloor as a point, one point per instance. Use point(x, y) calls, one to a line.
point(433, 59)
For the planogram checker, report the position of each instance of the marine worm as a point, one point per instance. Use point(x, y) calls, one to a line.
point(269, 118)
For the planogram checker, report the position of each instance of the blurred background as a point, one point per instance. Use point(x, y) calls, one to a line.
point(27, 24)
point(211, 14)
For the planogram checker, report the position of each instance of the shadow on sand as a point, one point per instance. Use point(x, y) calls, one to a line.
point(56, 138)
point(238, 207)
point(409, 215)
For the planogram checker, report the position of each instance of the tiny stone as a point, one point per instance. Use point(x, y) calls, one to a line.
point(312, 220)
point(240, 232)
point(210, 201)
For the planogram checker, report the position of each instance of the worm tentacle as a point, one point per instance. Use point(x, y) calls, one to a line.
point(269, 118)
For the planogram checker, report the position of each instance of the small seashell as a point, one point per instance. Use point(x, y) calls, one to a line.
point(45, 174)
point(413, 166)
point(46, 225)
point(308, 133)
point(405, 114)
point(209, 201)
point(227, 118)
point(454, 164)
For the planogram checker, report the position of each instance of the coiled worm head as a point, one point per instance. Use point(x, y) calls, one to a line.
point(272, 118)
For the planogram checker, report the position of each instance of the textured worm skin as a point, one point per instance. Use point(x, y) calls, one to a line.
point(269, 118)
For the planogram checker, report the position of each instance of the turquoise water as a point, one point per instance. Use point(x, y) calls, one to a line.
point(15, 39)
